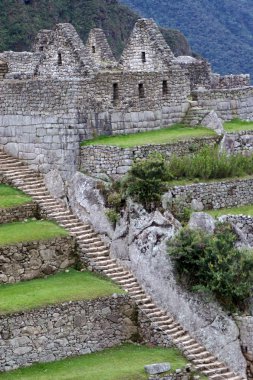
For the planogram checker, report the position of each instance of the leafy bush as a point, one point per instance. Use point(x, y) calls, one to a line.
point(212, 262)
point(146, 180)
point(210, 163)
point(113, 216)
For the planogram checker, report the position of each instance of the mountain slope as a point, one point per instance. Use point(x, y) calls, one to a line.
point(219, 30)
point(20, 20)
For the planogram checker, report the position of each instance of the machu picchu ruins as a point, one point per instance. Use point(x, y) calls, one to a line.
point(55, 103)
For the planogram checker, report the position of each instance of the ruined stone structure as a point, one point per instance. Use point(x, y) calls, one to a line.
point(65, 91)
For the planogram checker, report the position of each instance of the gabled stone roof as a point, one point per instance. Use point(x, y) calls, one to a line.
point(99, 48)
point(146, 38)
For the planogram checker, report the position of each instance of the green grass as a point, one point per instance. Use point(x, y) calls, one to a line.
point(64, 286)
point(240, 210)
point(119, 363)
point(237, 125)
point(12, 233)
point(10, 197)
point(174, 133)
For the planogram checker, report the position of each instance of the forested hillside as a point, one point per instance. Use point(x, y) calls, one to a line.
point(20, 20)
point(219, 30)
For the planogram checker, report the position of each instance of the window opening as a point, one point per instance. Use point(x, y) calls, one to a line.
point(141, 91)
point(115, 92)
point(41, 48)
point(165, 87)
point(143, 57)
point(59, 59)
point(93, 49)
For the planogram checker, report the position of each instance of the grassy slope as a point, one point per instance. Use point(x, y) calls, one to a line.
point(240, 210)
point(166, 135)
point(10, 197)
point(237, 125)
point(64, 286)
point(120, 363)
point(13, 233)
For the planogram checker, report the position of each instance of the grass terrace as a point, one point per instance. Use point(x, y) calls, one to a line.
point(240, 210)
point(172, 134)
point(10, 197)
point(70, 285)
point(237, 125)
point(31, 230)
point(125, 362)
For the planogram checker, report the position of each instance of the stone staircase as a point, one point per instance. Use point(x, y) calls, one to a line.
point(195, 115)
point(97, 255)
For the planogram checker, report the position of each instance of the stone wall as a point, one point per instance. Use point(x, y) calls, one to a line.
point(228, 103)
point(116, 161)
point(243, 222)
point(69, 329)
point(198, 71)
point(21, 65)
point(128, 111)
point(216, 195)
point(241, 142)
point(17, 213)
point(230, 81)
point(28, 260)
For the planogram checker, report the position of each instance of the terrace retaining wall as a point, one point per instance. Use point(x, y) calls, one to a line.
point(28, 260)
point(216, 195)
point(116, 161)
point(71, 328)
point(17, 213)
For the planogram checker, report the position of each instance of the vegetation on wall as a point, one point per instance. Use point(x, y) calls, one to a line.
point(220, 31)
point(210, 163)
point(211, 263)
point(21, 20)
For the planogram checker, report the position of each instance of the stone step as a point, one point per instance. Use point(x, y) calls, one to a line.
point(204, 354)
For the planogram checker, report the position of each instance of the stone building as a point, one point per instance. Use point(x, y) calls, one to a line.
point(65, 91)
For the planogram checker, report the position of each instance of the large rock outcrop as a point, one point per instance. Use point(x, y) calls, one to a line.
point(139, 242)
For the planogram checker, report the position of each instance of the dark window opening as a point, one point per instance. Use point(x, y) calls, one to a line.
point(165, 87)
point(115, 93)
point(41, 48)
point(93, 49)
point(59, 59)
point(141, 91)
point(143, 57)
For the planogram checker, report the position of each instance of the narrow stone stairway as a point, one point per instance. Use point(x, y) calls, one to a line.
point(97, 255)
point(195, 115)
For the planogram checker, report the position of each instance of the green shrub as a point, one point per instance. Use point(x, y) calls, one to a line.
point(113, 216)
point(210, 163)
point(146, 180)
point(114, 200)
point(212, 262)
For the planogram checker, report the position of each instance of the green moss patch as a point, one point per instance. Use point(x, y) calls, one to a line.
point(61, 287)
point(120, 363)
point(31, 230)
point(172, 134)
point(10, 197)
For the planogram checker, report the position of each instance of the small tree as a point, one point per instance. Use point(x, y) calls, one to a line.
point(146, 180)
point(212, 262)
